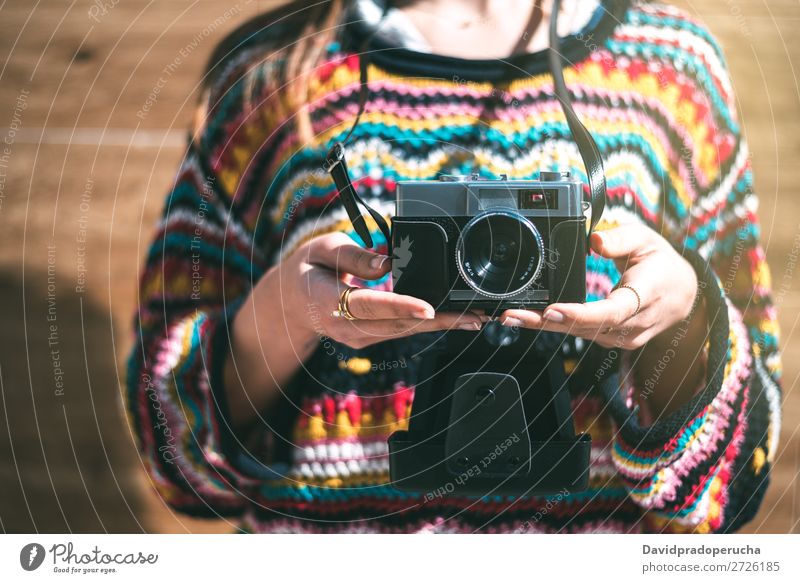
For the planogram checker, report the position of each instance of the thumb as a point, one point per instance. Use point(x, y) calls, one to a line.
point(341, 254)
point(620, 242)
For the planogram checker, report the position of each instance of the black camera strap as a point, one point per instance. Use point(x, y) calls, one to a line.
point(590, 153)
point(336, 165)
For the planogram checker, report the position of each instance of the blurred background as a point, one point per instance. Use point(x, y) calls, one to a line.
point(91, 132)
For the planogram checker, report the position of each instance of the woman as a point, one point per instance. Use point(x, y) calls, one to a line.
point(252, 399)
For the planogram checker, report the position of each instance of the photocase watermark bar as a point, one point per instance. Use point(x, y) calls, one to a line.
point(466, 559)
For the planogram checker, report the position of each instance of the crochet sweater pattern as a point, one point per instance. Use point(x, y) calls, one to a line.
point(652, 87)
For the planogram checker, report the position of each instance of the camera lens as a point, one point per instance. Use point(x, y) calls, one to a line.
point(502, 252)
point(499, 253)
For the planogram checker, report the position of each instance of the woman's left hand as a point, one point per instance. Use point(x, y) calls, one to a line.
point(664, 282)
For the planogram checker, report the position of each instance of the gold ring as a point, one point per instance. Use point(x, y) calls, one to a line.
point(344, 305)
point(608, 330)
point(638, 297)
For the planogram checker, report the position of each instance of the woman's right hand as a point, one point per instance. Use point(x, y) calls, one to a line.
point(307, 285)
point(290, 310)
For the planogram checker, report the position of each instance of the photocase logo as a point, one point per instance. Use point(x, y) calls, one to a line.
point(31, 556)
point(401, 257)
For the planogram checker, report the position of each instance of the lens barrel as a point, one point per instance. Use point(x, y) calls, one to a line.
point(499, 253)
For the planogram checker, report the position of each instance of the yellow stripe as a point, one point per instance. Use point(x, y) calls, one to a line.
point(423, 171)
point(591, 75)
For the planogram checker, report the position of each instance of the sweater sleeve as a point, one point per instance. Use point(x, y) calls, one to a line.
point(705, 467)
point(196, 271)
point(208, 250)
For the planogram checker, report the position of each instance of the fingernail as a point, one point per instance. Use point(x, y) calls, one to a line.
point(553, 316)
point(512, 322)
point(377, 261)
point(426, 314)
point(472, 326)
point(482, 315)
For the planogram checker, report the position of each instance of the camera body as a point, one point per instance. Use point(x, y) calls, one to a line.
point(491, 415)
point(465, 242)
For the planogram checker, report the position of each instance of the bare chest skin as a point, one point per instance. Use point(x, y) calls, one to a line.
point(491, 29)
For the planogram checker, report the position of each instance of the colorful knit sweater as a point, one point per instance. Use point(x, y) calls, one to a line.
point(652, 87)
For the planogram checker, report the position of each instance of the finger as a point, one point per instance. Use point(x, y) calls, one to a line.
point(608, 337)
point(405, 326)
point(535, 321)
point(482, 315)
point(620, 305)
point(617, 308)
point(382, 305)
point(361, 333)
point(341, 254)
point(521, 319)
point(324, 289)
point(622, 241)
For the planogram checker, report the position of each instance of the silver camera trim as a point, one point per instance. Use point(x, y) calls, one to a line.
point(456, 197)
point(536, 235)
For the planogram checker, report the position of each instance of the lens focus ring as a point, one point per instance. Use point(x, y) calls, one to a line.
point(482, 254)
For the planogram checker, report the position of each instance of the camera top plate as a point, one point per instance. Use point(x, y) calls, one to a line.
point(556, 194)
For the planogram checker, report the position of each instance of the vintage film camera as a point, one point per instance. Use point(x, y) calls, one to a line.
point(492, 244)
point(491, 412)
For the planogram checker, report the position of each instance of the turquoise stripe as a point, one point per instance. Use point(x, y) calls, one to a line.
point(310, 157)
point(685, 435)
point(202, 424)
point(184, 193)
point(183, 245)
point(221, 115)
point(689, 509)
point(675, 55)
point(669, 24)
point(308, 493)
